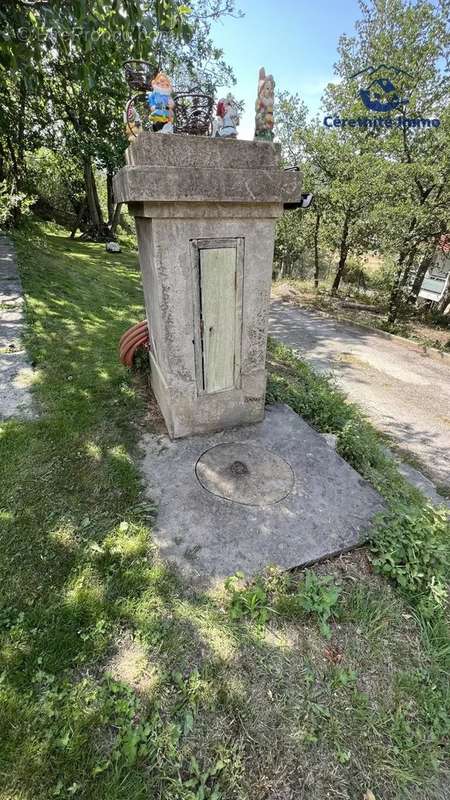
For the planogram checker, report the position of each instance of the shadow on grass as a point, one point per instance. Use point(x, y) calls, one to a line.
point(264, 714)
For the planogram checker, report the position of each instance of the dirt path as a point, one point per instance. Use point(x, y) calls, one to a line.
point(403, 389)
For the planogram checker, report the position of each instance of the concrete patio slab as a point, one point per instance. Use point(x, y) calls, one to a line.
point(16, 373)
point(328, 508)
point(16, 377)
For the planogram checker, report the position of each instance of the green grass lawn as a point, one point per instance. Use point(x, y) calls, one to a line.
point(116, 679)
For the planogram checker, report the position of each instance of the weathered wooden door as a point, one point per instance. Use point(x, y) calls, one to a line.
point(218, 313)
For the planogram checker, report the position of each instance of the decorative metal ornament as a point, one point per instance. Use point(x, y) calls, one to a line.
point(193, 113)
point(153, 108)
point(139, 75)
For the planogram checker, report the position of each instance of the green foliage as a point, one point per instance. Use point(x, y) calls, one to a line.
point(313, 396)
point(411, 546)
point(380, 188)
point(136, 737)
point(271, 595)
point(359, 444)
point(134, 732)
point(356, 275)
point(290, 116)
point(11, 203)
point(201, 785)
point(316, 596)
point(248, 601)
point(54, 177)
point(343, 677)
point(290, 243)
point(62, 83)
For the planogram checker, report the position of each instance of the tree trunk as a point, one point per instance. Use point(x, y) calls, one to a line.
point(407, 271)
point(445, 300)
point(78, 220)
point(396, 292)
point(316, 251)
point(115, 219)
point(21, 128)
point(14, 164)
point(110, 196)
point(15, 183)
point(424, 265)
point(97, 203)
point(90, 194)
point(97, 228)
point(343, 253)
point(2, 164)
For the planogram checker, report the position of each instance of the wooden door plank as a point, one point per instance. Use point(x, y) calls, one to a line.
point(218, 302)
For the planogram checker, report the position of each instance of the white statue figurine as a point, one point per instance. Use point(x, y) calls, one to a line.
point(227, 118)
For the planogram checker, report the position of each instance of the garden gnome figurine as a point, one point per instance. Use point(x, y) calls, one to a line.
point(227, 118)
point(264, 107)
point(161, 104)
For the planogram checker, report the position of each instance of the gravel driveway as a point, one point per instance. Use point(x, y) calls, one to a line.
point(403, 388)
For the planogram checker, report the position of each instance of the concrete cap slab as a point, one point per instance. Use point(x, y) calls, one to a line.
point(200, 184)
point(201, 151)
point(329, 509)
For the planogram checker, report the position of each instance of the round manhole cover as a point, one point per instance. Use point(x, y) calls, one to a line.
point(245, 473)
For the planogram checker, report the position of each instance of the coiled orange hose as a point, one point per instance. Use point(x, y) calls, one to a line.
point(134, 338)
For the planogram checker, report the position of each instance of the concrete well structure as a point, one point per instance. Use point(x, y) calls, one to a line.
point(205, 212)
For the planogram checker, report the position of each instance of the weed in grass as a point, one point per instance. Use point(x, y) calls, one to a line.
point(202, 782)
point(342, 677)
point(248, 601)
point(410, 545)
point(260, 599)
point(343, 756)
point(316, 596)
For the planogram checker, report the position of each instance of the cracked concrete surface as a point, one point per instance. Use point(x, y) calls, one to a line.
point(404, 388)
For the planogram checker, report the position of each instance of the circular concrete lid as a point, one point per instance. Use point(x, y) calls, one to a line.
point(245, 473)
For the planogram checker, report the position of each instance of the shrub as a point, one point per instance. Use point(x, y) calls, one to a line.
point(356, 275)
point(12, 203)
